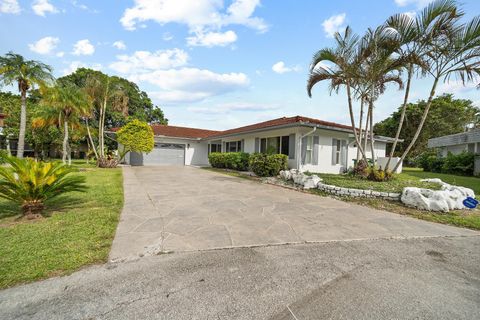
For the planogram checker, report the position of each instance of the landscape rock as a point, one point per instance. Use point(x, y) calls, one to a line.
point(448, 198)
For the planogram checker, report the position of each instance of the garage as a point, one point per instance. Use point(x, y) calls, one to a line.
point(162, 154)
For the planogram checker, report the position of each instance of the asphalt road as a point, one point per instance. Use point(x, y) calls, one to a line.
point(422, 278)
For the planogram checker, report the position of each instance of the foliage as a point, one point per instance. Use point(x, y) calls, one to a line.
point(30, 183)
point(268, 165)
point(378, 174)
point(229, 160)
point(135, 136)
point(460, 164)
point(360, 169)
point(439, 122)
point(79, 231)
point(3, 155)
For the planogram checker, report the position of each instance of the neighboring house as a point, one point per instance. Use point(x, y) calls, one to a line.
point(457, 143)
point(310, 144)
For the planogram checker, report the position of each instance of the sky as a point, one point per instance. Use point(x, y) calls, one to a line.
point(210, 64)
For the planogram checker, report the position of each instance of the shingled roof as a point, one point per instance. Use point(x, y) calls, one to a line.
point(181, 132)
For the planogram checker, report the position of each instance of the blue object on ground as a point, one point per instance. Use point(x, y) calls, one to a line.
point(470, 202)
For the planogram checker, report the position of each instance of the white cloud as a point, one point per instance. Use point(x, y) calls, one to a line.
point(205, 17)
point(74, 65)
point(120, 45)
point(60, 54)
point(456, 86)
point(212, 39)
point(191, 84)
point(40, 7)
point(334, 24)
point(167, 36)
point(146, 61)
point(9, 6)
point(410, 14)
point(45, 45)
point(418, 3)
point(228, 108)
point(83, 47)
point(280, 68)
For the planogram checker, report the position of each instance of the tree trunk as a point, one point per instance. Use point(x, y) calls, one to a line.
point(372, 138)
point(65, 141)
point(23, 125)
point(365, 137)
point(402, 116)
point(101, 127)
point(352, 119)
point(360, 127)
point(420, 126)
point(91, 139)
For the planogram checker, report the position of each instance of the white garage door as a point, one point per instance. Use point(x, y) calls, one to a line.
point(162, 154)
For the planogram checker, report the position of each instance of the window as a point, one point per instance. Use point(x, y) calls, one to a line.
point(337, 150)
point(233, 146)
point(215, 147)
point(309, 150)
point(274, 145)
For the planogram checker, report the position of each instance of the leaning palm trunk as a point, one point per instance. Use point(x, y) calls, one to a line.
point(365, 137)
point(420, 126)
point(91, 139)
point(352, 120)
point(402, 116)
point(360, 123)
point(23, 125)
point(372, 138)
point(65, 141)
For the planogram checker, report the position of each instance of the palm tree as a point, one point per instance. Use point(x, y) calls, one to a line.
point(26, 74)
point(105, 93)
point(65, 104)
point(343, 71)
point(454, 51)
point(377, 67)
point(413, 34)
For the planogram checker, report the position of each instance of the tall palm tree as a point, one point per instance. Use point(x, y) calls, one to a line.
point(65, 105)
point(413, 34)
point(105, 93)
point(454, 51)
point(338, 66)
point(377, 68)
point(26, 74)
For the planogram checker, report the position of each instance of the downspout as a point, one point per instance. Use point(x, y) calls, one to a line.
point(299, 157)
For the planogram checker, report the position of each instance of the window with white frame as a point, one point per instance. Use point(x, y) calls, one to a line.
point(337, 149)
point(215, 147)
point(233, 146)
point(309, 150)
point(275, 145)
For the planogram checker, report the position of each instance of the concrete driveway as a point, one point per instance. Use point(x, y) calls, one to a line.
point(186, 208)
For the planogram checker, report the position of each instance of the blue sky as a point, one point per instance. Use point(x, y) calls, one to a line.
point(208, 63)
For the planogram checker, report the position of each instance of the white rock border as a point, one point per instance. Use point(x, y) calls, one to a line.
point(314, 181)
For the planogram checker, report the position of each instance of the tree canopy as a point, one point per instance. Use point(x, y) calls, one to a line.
point(447, 116)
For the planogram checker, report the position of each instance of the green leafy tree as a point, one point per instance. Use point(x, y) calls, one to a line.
point(440, 121)
point(27, 74)
point(136, 136)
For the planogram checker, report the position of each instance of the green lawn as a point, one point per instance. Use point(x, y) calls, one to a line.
point(395, 185)
point(79, 230)
point(469, 182)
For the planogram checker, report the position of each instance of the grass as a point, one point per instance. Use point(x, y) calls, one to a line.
point(469, 182)
point(79, 230)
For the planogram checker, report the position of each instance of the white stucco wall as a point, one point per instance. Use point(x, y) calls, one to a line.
point(456, 149)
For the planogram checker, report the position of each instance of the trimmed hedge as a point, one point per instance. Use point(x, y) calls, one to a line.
point(268, 165)
point(460, 164)
point(229, 160)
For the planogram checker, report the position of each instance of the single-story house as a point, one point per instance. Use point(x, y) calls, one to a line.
point(457, 143)
point(310, 144)
point(468, 141)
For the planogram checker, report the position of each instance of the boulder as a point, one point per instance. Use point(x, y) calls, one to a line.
point(448, 198)
point(285, 174)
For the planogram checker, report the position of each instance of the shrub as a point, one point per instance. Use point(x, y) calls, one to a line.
point(360, 169)
point(30, 183)
point(3, 155)
point(136, 136)
point(376, 174)
point(268, 165)
point(230, 160)
point(461, 164)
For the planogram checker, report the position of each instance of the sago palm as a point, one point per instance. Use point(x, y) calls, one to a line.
point(30, 183)
point(27, 74)
point(65, 104)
